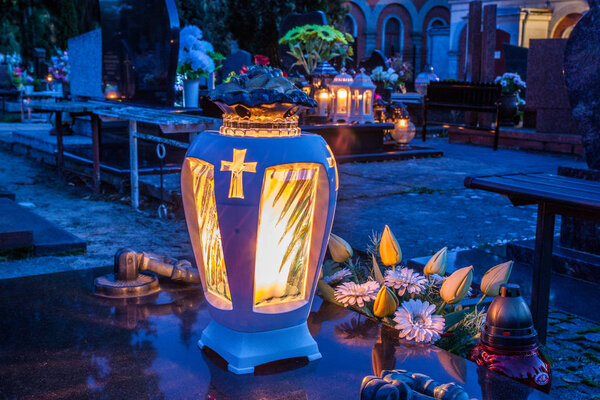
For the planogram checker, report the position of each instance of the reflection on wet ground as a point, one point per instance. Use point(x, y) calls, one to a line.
point(58, 340)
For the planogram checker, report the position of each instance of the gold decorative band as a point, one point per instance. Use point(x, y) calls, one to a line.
point(262, 126)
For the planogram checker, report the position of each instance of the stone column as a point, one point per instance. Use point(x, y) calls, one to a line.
point(474, 42)
point(370, 43)
point(488, 43)
point(417, 42)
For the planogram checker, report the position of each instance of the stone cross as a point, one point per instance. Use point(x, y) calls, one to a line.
point(237, 167)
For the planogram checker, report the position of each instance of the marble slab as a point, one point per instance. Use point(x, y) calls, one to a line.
point(64, 342)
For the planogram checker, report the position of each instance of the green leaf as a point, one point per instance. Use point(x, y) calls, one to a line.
point(454, 318)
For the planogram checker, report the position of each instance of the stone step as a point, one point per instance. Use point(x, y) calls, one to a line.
point(23, 228)
point(42, 140)
point(578, 264)
point(566, 293)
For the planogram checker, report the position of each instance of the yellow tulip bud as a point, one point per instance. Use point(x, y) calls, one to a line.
point(389, 250)
point(494, 277)
point(437, 263)
point(456, 286)
point(340, 249)
point(386, 302)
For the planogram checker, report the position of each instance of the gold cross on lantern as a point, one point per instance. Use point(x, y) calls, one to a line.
point(237, 167)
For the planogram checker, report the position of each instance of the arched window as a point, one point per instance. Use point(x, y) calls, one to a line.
point(350, 25)
point(392, 37)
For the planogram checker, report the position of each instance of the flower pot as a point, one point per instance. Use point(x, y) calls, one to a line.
point(190, 92)
point(509, 105)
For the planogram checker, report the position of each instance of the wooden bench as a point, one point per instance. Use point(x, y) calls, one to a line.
point(464, 96)
point(553, 195)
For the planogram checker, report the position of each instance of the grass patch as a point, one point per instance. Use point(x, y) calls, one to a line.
point(592, 329)
point(18, 253)
point(590, 382)
point(574, 339)
point(10, 118)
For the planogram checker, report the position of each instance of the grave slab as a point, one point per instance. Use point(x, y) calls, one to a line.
point(47, 238)
point(73, 344)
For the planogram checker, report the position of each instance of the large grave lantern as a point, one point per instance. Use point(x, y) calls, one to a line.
point(362, 91)
point(341, 95)
point(259, 199)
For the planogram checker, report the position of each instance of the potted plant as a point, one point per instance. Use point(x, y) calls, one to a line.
point(313, 44)
point(512, 85)
point(59, 70)
point(197, 59)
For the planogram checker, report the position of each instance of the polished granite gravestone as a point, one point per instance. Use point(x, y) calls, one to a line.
point(582, 75)
point(140, 45)
point(546, 90)
point(376, 59)
point(85, 60)
point(235, 61)
point(22, 229)
point(291, 21)
point(64, 342)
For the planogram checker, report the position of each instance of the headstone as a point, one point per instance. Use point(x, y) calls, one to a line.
point(235, 61)
point(377, 59)
point(516, 59)
point(291, 21)
point(5, 80)
point(546, 90)
point(140, 44)
point(40, 68)
point(488, 43)
point(582, 74)
point(85, 59)
point(474, 42)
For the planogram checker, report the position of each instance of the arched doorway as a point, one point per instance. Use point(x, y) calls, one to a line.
point(392, 37)
point(564, 27)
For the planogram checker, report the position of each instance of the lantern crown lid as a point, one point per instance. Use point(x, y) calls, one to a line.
point(342, 79)
point(263, 90)
point(363, 81)
point(324, 68)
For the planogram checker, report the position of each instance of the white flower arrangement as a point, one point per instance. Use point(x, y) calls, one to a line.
point(511, 83)
point(196, 56)
point(388, 77)
point(428, 308)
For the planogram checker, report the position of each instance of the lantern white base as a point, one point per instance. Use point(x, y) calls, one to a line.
point(245, 350)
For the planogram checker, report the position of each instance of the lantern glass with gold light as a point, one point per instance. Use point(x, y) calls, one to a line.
point(362, 88)
point(340, 87)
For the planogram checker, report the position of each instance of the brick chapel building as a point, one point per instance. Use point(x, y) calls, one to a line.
point(433, 32)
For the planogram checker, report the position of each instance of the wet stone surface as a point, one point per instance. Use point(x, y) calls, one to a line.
point(423, 201)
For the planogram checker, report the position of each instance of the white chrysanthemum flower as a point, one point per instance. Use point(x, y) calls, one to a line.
point(337, 277)
point(405, 280)
point(351, 293)
point(191, 30)
point(416, 322)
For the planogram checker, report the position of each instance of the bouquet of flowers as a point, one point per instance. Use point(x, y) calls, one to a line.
point(60, 68)
point(197, 57)
point(388, 77)
point(427, 307)
point(21, 78)
point(511, 83)
point(311, 44)
point(404, 71)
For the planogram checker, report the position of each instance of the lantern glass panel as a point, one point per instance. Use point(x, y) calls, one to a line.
point(284, 235)
point(367, 102)
point(210, 243)
point(342, 101)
